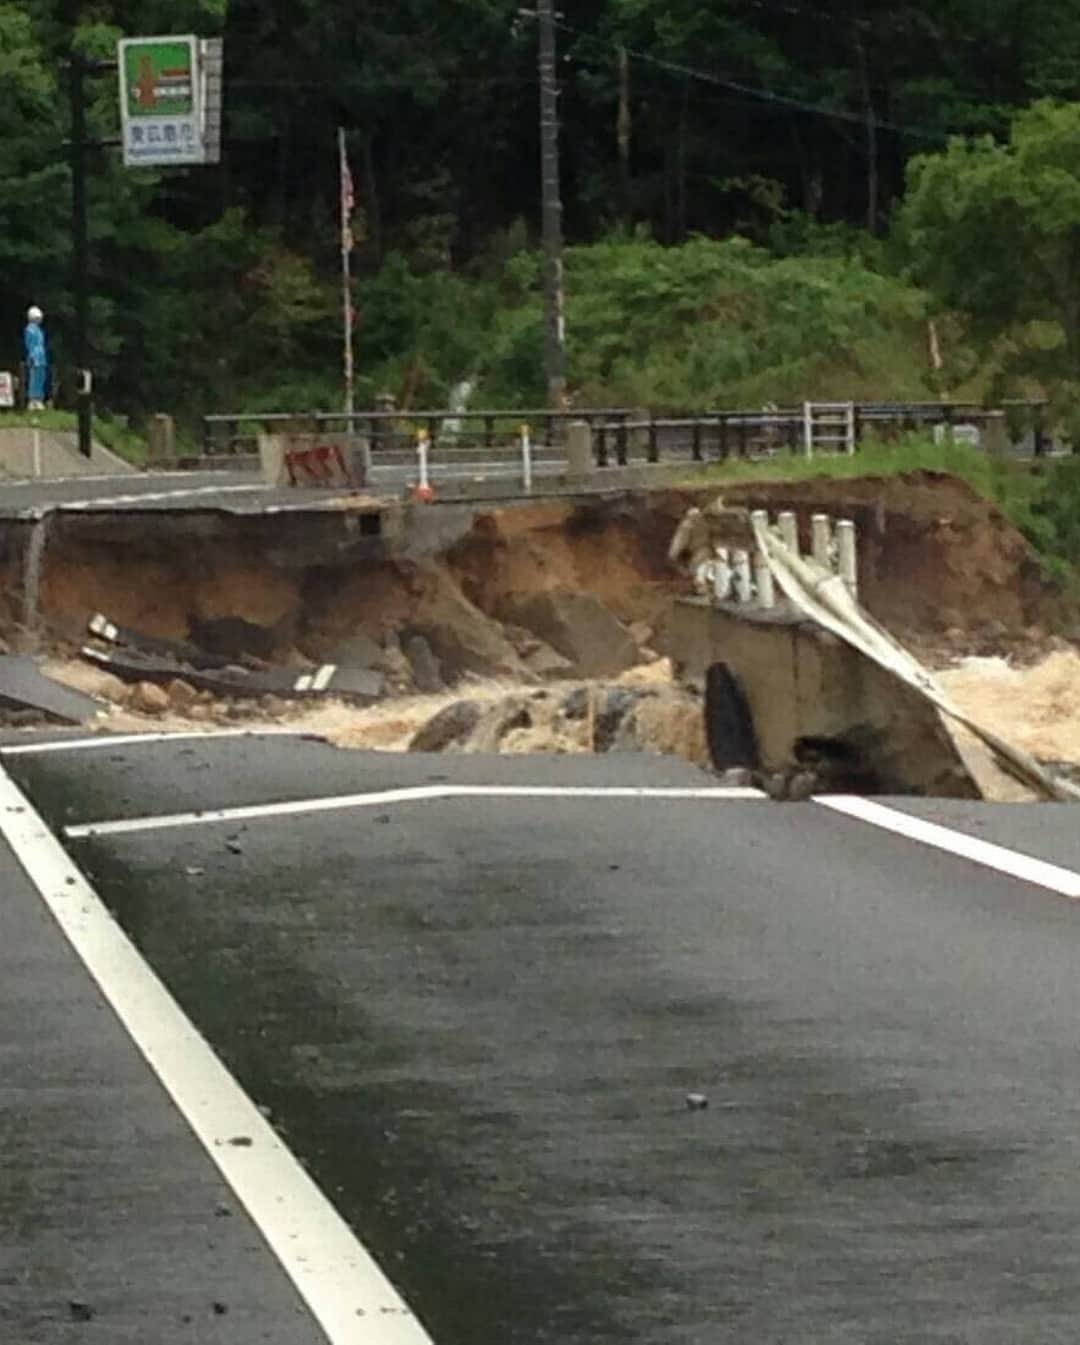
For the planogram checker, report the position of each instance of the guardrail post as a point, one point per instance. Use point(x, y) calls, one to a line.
point(742, 436)
point(742, 581)
point(846, 556)
point(601, 445)
point(622, 437)
point(695, 441)
point(489, 431)
point(820, 539)
point(578, 449)
point(526, 459)
point(654, 441)
point(725, 448)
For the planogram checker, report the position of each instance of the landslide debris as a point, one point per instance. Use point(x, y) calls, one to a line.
point(526, 632)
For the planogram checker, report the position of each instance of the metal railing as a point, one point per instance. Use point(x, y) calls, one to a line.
point(620, 435)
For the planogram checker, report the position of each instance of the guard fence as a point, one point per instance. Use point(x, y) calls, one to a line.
point(622, 437)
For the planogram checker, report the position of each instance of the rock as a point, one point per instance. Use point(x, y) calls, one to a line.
point(579, 627)
point(426, 672)
point(201, 713)
point(737, 777)
point(182, 695)
point(671, 723)
point(802, 786)
point(80, 1312)
point(696, 1101)
point(498, 720)
point(612, 711)
point(149, 699)
point(274, 707)
point(450, 726)
point(396, 667)
point(524, 641)
point(546, 662)
point(462, 638)
point(359, 651)
point(576, 704)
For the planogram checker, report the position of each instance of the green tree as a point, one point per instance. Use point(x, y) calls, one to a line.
point(994, 230)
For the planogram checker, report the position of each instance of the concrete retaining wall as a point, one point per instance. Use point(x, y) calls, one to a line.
point(801, 682)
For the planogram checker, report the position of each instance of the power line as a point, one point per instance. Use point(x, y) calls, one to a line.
point(749, 91)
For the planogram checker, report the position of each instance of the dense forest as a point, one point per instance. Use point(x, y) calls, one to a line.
point(763, 199)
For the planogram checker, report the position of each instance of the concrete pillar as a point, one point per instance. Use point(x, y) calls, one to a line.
point(579, 458)
point(272, 459)
point(161, 438)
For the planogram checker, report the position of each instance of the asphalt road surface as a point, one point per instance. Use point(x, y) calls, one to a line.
point(240, 492)
point(472, 998)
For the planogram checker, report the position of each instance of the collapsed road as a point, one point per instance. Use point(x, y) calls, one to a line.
point(575, 1050)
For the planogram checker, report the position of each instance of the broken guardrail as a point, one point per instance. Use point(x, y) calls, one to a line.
point(823, 588)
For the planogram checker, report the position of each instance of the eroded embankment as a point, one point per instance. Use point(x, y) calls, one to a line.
point(576, 592)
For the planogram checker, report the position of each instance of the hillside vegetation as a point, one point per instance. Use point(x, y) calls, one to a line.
point(763, 201)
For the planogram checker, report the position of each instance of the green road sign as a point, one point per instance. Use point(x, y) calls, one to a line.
point(161, 100)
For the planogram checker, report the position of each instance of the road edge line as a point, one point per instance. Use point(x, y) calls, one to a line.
point(344, 1288)
point(1012, 863)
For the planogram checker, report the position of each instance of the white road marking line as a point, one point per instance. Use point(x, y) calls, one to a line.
point(349, 1296)
point(130, 739)
point(323, 677)
point(1010, 862)
point(155, 497)
point(414, 794)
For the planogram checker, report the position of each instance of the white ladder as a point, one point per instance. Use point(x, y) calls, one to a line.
point(828, 425)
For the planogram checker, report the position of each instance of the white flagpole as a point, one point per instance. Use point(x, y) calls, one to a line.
point(346, 269)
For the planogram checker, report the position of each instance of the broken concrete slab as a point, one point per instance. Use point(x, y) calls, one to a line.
point(580, 628)
point(353, 684)
point(23, 686)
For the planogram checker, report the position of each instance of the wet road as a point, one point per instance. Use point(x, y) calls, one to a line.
point(476, 1016)
point(237, 492)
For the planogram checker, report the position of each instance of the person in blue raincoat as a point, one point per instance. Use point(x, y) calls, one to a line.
point(37, 359)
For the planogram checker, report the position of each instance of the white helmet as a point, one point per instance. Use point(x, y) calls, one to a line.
point(34, 313)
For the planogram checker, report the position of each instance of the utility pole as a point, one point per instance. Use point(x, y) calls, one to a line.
point(80, 251)
point(551, 206)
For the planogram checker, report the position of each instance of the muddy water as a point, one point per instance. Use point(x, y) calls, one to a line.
point(1036, 708)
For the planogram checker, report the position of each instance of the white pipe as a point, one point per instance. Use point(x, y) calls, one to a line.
point(526, 459)
point(422, 455)
point(37, 451)
point(821, 539)
point(789, 531)
point(808, 429)
point(847, 557)
point(744, 585)
point(763, 581)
